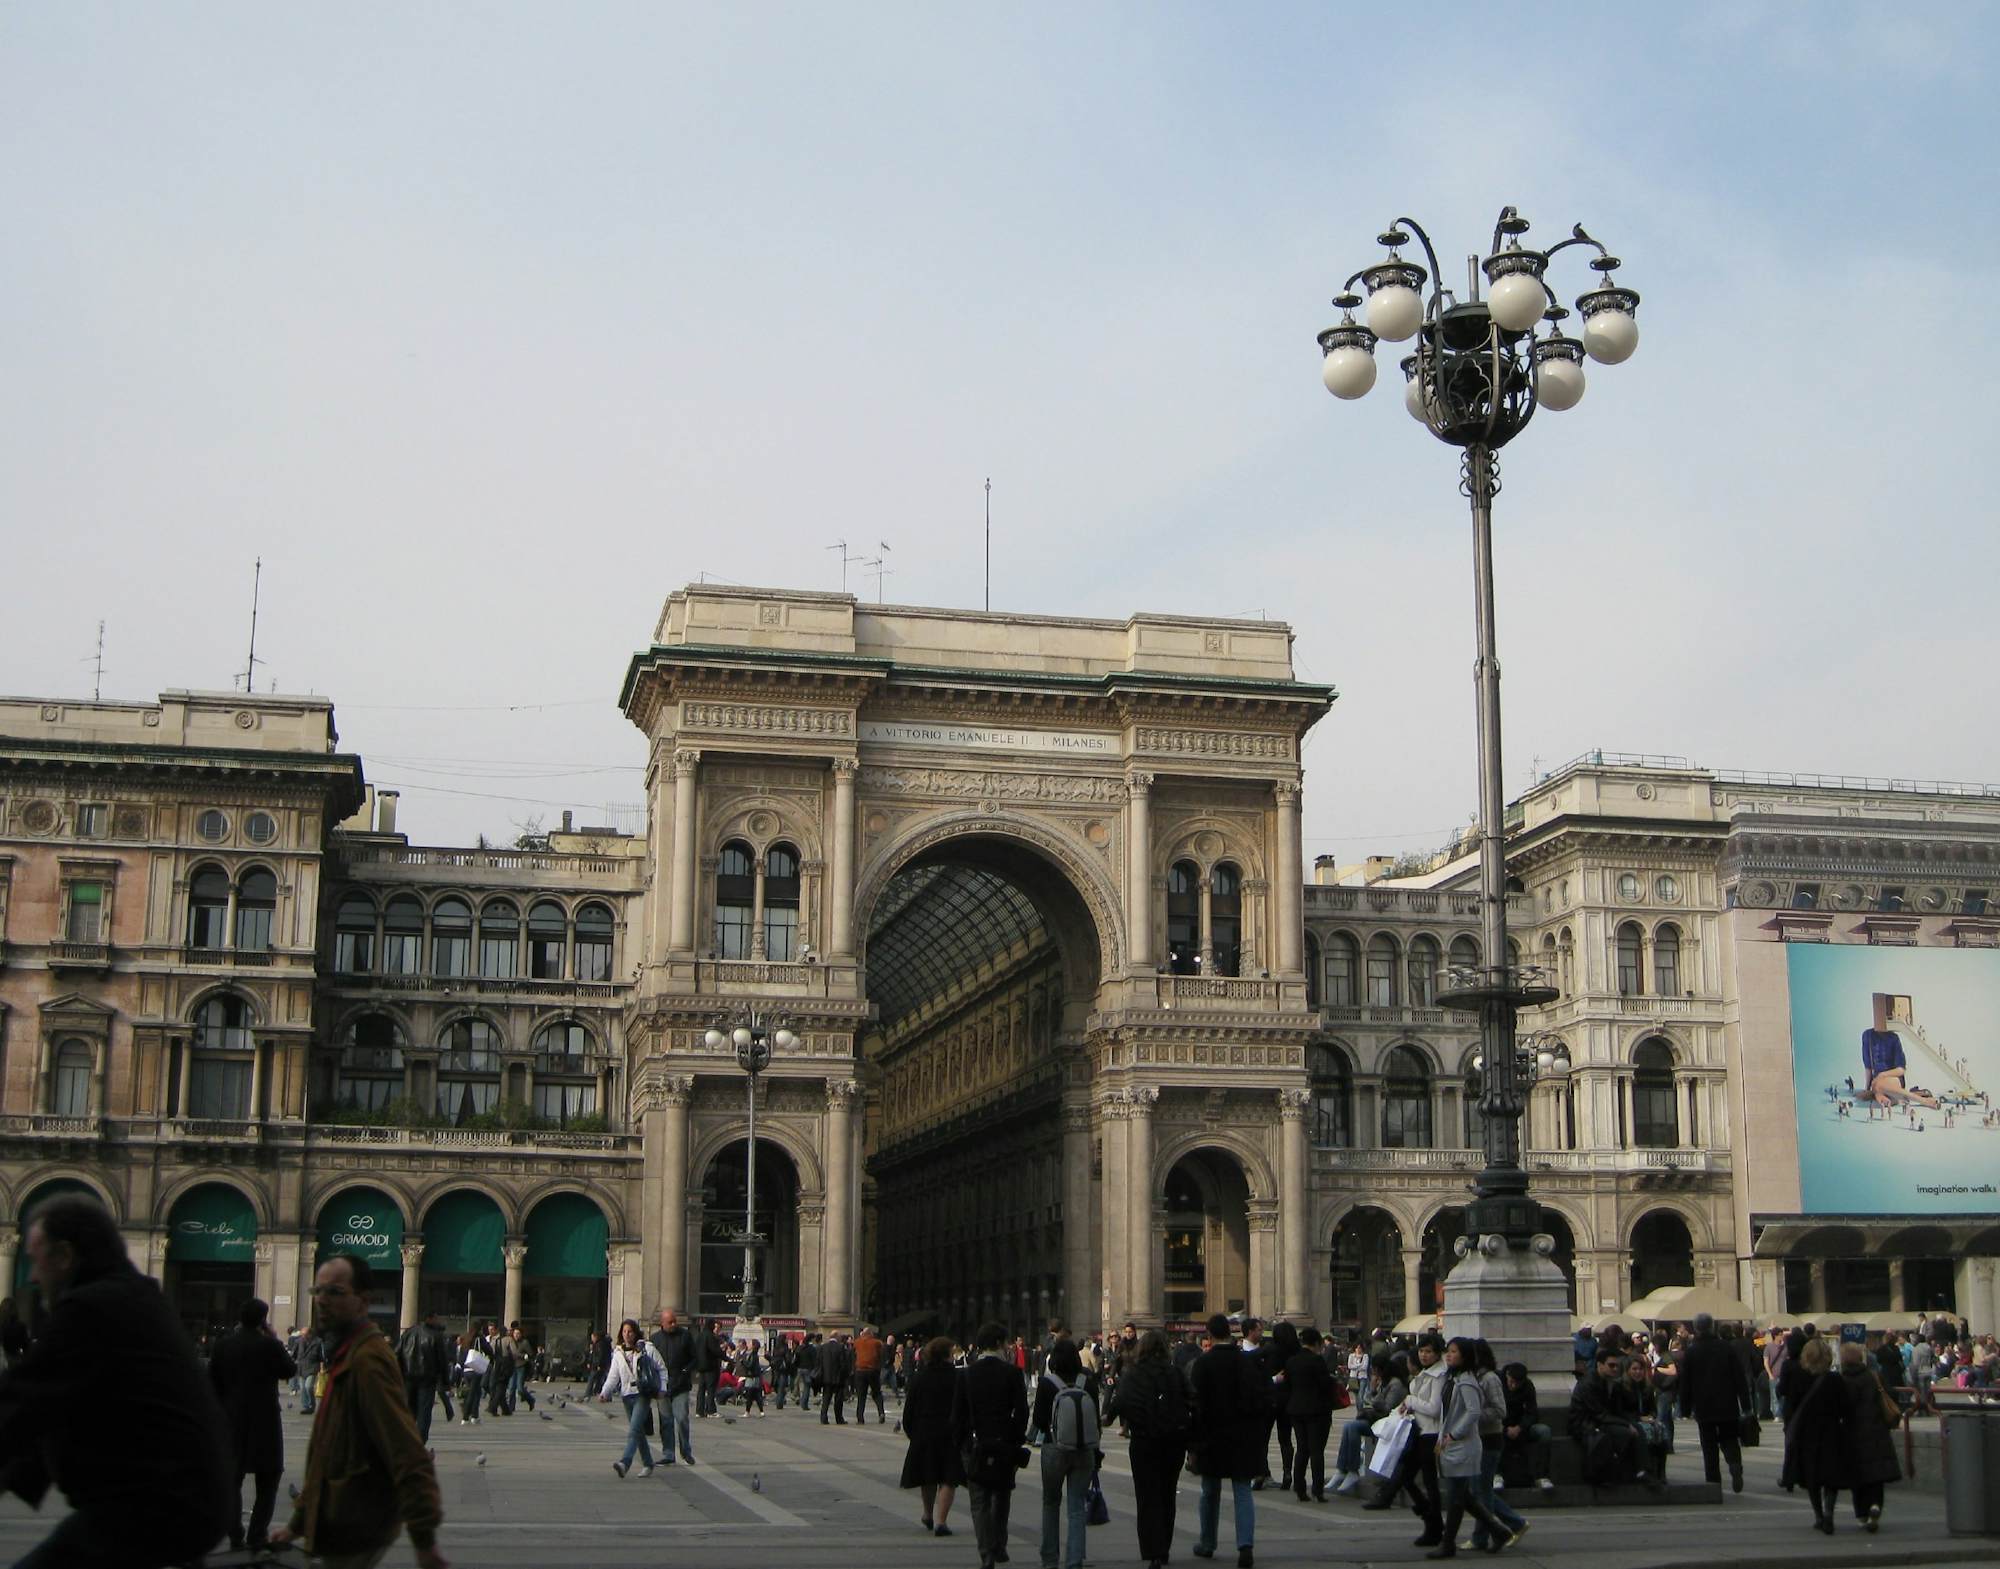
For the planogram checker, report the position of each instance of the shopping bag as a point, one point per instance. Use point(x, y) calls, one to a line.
point(1096, 1510)
point(1390, 1445)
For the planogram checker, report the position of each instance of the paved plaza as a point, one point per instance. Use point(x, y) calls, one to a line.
point(782, 1489)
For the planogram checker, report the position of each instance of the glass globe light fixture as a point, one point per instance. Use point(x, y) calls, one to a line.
point(741, 1035)
point(1349, 347)
point(1516, 299)
point(1395, 305)
point(1413, 389)
point(785, 1040)
point(1559, 377)
point(715, 1040)
point(1610, 322)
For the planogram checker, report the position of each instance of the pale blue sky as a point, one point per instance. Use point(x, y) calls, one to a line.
point(489, 325)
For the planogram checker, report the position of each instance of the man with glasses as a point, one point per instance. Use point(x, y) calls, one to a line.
point(368, 1475)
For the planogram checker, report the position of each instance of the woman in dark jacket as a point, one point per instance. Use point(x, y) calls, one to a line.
point(246, 1370)
point(1152, 1401)
point(1387, 1389)
point(931, 1463)
point(1867, 1455)
point(1309, 1401)
point(1814, 1406)
point(1284, 1345)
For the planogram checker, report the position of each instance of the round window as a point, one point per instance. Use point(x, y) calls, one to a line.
point(262, 827)
point(1666, 890)
point(1628, 886)
point(212, 826)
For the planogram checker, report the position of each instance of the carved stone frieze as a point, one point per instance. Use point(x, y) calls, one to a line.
point(978, 784)
point(1213, 743)
point(766, 719)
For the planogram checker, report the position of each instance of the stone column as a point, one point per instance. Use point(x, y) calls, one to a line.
point(680, 889)
point(413, 1283)
point(841, 871)
point(1113, 1293)
point(1077, 1290)
point(678, 1092)
point(757, 911)
point(1294, 1207)
point(1140, 1300)
point(1290, 885)
point(1899, 1285)
point(10, 1243)
point(1413, 1283)
point(1816, 1291)
point(837, 1298)
point(515, 1252)
point(1139, 869)
point(257, 1050)
point(186, 1077)
point(1206, 938)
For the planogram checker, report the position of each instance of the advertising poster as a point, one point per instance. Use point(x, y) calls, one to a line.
point(1894, 1056)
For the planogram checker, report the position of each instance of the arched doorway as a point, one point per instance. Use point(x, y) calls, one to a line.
point(1440, 1247)
point(1208, 1237)
point(465, 1267)
point(982, 964)
point(566, 1282)
point(777, 1213)
point(1367, 1271)
point(367, 1223)
point(1662, 1253)
point(211, 1257)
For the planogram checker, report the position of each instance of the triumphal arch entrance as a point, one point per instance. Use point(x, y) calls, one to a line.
point(1027, 890)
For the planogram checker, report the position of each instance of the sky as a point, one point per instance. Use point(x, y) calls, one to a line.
point(487, 326)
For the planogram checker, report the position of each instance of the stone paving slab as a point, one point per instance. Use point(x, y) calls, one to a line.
point(784, 1490)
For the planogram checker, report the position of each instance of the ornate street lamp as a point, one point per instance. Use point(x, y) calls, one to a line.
point(753, 1034)
point(1479, 373)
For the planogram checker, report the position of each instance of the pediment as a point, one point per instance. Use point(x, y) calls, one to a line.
point(77, 1009)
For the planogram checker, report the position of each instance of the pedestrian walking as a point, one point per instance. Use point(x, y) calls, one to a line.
point(931, 1463)
point(1152, 1403)
point(424, 1354)
point(473, 1366)
point(1064, 1410)
point(312, 1363)
point(707, 1346)
point(868, 1374)
point(637, 1376)
point(1230, 1439)
point(1814, 1405)
point(1492, 1445)
point(835, 1363)
point(784, 1364)
point(1460, 1455)
point(990, 1423)
point(1715, 1391)
point(750, 1376)
point(1867, 1454)
point(520, 1361)
point(675, 1343)
point(1310, 1394)
point(246, 1369)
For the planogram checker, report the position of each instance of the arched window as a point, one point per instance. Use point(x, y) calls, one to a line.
point(565, 1072)
point(219, 1084)
point(1332, 1099)
point(1382, 971)
point(1667, 961)
point(1225, 918)
point(1631, 953)
point(208, 909)
point(451, 937)
point(1343, 971)
point(1553, 971)
point(354, 935)
point(1463, 954)
point(1565, 957)
point(402, 936)
point(1423, 972)
point(370, 1074)
point(781, 903)
point(1406, 1100)
point(468, 1070)
point(735, 889)
point(1184, 918)
point(548, 935)
point(76, 1066)
point(256, 907)
point(593, 943)
point(1656, 1122)
point(499, 939)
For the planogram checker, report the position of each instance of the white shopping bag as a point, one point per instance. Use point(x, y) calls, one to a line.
point(1390, 1445)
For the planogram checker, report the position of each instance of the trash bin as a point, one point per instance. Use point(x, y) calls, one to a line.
point(1971, 1440)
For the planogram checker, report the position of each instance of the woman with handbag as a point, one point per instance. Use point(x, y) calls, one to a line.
point(1814, 1407)
point(1152, 1400)
point(637, 1376)
point(1385, 1392)
point(472, 1365)
point(931, 1464)
point(1868, 1456)
point(1460, 1455)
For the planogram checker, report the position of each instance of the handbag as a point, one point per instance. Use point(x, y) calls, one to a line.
point(1892, 1410)
point(1748, 1433)
point(1096, 1511)
point(1390, 1444)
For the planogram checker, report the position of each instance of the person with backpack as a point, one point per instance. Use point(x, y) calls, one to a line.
point(421, 1351)
point(1065, 1411)
point(637, 1375)
point(1152, 1402)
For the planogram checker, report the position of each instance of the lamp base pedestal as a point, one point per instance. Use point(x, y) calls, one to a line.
point(1515, 1298)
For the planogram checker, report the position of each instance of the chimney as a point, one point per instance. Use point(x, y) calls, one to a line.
point(385, 810)
point(566, 820)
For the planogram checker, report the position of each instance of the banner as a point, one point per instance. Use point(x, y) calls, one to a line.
point(1894, 1056)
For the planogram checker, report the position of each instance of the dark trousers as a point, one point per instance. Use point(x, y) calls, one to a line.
point(1311, 1434)
point(1867, 1496)
point(423, 1395)
point(1283, 1424)
point(1156, 1470)
point(705, 1401)
point(863, 1382)
point(261, 1507)
point(1461, 1497)
point(833, 1394)
point(1723, 1437)
point(1418, 1472)
point(990, 1506)
point(81, 1544)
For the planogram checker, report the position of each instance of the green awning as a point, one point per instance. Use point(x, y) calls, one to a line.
point(567, 1236)
point(463, 1234)
point(33, 1202)
point(213, 1223)
point(364, 1222)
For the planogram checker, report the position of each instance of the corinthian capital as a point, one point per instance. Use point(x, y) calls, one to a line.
point(686, 761)
point(846, 767)
point(1287, 791)
point(413, 1254)
point(841, 1094)
point(1294, 1104)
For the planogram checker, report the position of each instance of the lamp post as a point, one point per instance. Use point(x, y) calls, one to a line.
point(1478, 374)
point(753, 1034)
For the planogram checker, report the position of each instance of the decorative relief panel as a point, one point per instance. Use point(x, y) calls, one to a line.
point(1213, 743)
point(965, 782)
point(764, 719)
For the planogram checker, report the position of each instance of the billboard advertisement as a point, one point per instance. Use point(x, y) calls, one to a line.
point(1895, 1053)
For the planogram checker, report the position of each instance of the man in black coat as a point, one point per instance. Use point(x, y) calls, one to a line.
point(1716, 1392)
point(835, 1363)
point(989, 1422)
point(425, 1358)
point(1231, 1437)
point(110, 1335)
point(675, 1343)
point(246, 1369)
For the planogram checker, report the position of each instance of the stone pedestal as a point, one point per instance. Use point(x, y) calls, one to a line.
point(1518, 1302)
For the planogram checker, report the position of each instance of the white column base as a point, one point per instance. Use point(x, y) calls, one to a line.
point(1518, 1302)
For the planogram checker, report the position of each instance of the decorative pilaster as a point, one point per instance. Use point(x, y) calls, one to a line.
point(837, 1158)
point(1139, 868)
point(681, 891)
point(1291, 884)
point(674, 1093)
point(1140, 1298)
point(413, 1282)
point(842, 933)
point(515, 1252)
point(1294, 1202)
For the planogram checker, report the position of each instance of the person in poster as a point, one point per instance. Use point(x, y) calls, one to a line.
point(1885, 1066)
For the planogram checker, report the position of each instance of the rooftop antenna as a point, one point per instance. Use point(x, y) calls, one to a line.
point(881, 570)
point(846, 559)
point(989, 541)
point(97, 679)
point(250, 665)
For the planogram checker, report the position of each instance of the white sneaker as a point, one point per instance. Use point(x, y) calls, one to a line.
point(1545, 1484)
point(645, 1471)
point(1350, 1486)
point(1499, 1486)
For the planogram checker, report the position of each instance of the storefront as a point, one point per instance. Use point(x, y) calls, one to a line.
point(564, 1288)
point(464, 1269)
point(367, 1224)
point(211, 1258)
